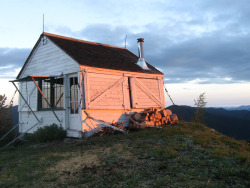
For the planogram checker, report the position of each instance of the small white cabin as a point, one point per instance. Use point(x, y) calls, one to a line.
point(64, 77)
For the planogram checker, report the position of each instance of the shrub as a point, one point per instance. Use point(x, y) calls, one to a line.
point(5, 121)
point(47, 133)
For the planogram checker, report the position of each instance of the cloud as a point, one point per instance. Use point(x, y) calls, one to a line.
point(203, 41)
point(11, 60)
point(206, 56)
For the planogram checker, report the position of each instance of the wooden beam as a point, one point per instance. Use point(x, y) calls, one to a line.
point(127, 94)
point(161, 94)
point(119, 72)
point(86, 88)
point(82, 91)
point(133, 91)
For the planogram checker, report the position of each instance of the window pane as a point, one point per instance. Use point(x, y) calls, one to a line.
point(58, 92)
point(53, 90)
point(46, 91)
point(73, 95)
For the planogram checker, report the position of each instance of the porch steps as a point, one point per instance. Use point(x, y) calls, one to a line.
point(74, 134)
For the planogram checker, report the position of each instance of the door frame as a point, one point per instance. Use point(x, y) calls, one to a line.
point(68, 115)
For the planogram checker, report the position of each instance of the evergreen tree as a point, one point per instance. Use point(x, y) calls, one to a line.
point(200, 104)
point(5, 115)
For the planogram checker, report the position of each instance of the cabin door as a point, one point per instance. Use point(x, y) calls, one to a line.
point(74, 103)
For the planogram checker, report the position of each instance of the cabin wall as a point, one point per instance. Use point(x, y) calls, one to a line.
point(113, 96)
point(111, 89)
point(47, 59)
point(27, 120)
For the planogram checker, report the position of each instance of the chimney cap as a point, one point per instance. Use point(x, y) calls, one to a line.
point(140, 40)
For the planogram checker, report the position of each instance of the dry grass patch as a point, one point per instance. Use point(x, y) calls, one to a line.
point(75, 163)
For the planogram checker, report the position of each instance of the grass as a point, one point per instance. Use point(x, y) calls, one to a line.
point(186, 155)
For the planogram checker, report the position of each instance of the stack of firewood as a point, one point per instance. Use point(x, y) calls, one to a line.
point(154, 117)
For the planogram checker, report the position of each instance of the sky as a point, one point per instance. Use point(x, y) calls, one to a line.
point(199, 45)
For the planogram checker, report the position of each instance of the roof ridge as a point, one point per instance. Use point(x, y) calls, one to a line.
point(80, 40)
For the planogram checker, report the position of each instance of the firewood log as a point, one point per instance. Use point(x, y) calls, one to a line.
point(173, 119)
point(158, 116)
point(152, 117)
point(163, 120)
point(166, 112)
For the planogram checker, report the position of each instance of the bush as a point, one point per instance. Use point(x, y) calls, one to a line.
point(5, 121)
point(47, 133)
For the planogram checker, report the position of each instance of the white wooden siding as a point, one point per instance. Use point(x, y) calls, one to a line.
point(29, 91)
point(47, 59)
point(47, 118)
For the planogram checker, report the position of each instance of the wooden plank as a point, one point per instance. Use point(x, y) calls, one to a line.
point(133, 92)
point(49, 59)
point(108, 90)
point(86, 89)
point(111, 72)
point(143, 88)
point(160, 93)
point(161, 90)
point(66, 98)
point(125, 93)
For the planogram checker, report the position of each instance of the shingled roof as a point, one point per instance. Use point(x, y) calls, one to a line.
point(97, 55)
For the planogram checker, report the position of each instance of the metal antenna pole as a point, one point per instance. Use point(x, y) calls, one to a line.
point(125, 40)
point(43, 30)
point(43, 23)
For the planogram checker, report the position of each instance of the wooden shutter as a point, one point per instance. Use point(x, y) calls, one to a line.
point(106, 91)
point(146, 92)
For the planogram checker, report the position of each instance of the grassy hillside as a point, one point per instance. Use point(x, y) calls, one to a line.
point(176, 156)
point(235, 124)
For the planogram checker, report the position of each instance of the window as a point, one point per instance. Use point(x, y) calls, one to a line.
point(53, 90)
point(74, 95)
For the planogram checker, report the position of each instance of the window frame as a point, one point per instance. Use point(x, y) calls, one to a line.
point(51, 81)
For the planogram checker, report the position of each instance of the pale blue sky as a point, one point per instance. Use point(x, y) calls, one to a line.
point(201, 46)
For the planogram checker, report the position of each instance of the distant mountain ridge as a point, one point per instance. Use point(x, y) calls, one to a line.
point(245, 107)
point(233, 123)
